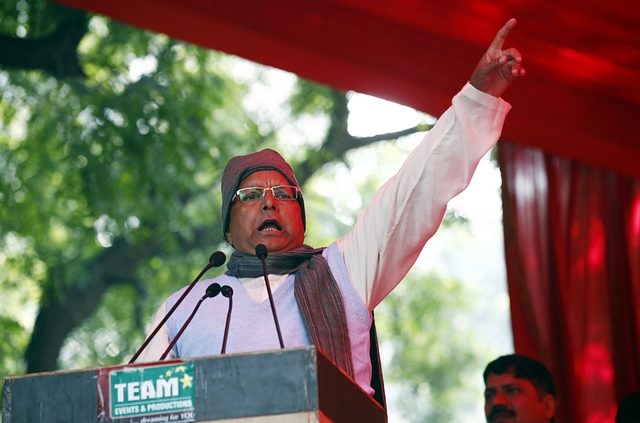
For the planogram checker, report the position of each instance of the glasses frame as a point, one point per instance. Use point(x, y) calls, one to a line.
point(264, 190)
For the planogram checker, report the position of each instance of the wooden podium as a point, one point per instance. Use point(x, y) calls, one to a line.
point(283, 386)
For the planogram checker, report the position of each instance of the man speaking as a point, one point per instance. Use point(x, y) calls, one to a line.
point(325, 296)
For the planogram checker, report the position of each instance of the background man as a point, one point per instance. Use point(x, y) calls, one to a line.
point(518, 390)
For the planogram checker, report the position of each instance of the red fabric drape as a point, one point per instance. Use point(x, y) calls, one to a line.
point(572, 247)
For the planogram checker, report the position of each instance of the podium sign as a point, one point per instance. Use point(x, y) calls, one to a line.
point(284, 386)
point(138, 394)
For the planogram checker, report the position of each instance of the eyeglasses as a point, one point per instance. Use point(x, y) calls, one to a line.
point(280, 193)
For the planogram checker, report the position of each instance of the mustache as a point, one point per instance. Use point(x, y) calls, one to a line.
point(499, 409)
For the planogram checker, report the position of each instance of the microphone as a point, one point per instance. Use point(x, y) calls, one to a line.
point(217, 259)
point(261, 253)
point(227, 291)
point(212, 291)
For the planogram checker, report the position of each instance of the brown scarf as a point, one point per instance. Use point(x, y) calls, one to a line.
point(317, 294)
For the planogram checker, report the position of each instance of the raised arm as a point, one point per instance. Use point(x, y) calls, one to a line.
point(408, 209)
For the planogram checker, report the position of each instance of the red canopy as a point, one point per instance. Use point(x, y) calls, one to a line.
point(580, 99)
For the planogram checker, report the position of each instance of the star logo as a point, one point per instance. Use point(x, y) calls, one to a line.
point(186, 381)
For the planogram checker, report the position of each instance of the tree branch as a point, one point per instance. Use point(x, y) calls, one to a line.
point(338, 140)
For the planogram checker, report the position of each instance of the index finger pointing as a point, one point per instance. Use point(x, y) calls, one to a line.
point(498, 41)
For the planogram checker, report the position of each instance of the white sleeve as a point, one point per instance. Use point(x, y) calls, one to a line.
point(159, 343)
point(408, 209)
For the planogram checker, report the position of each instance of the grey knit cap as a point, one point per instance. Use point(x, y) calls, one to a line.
point(239, 167)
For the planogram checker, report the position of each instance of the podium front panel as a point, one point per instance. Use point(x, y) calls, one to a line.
point(298, 385)
point(278, 382)
point(51, 397)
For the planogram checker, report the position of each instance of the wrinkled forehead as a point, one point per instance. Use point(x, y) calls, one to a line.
point(264, 179)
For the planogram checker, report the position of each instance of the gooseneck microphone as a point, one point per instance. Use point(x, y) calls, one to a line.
point(212, 291)
point(227, 291)
point(217, 259)
point(261, 253)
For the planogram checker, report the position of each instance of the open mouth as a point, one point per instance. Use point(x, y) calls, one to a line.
point(269, 225)
point(495, 416)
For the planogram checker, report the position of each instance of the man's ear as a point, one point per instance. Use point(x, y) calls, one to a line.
point(229, 238)
point(550, 405)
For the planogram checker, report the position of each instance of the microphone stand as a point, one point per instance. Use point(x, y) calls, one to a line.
point(261, 253)
point(217, 259)
point(227, 291)
point(212, 291)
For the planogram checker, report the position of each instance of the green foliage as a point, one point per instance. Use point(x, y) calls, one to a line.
point(338, 193)
point(422, 323)
point(18, 300)
point(19, 269)
point(118, 158)
point(107, 337)
point(452, 218)
point(37, 18)
point(312, 99)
